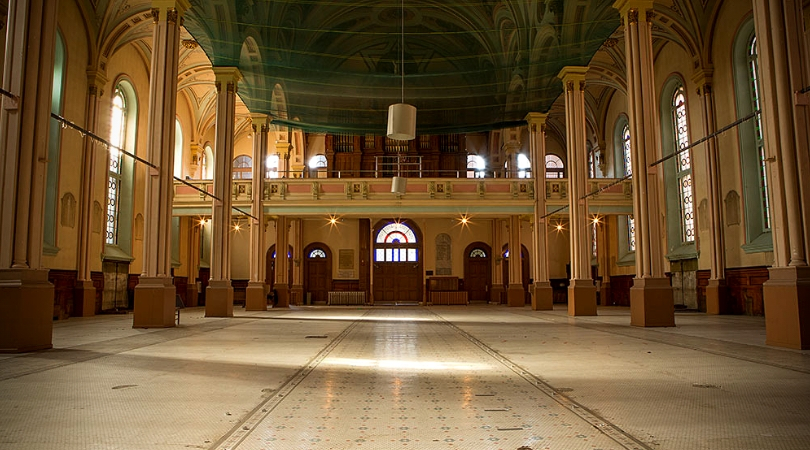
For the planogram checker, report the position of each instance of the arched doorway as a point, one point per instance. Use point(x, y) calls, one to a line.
point(317, 272)
point(478, 272)
point(398, 275)
point(524, 270)
point(270, 275)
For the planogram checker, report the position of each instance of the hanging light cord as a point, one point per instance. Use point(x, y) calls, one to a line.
point(402, 49)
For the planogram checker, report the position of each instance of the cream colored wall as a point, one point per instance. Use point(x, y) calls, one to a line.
point(240, 253)
point(559, 253)
point(74, 103)
point(460, 237)
point(341, 236)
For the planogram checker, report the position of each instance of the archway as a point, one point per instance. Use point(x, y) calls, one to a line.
point(524, 270)
point(270, 274)
point(397, 271)
point(478, 272)
point(317, 272)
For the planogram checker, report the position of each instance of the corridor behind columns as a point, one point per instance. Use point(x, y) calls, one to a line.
point(476, 377)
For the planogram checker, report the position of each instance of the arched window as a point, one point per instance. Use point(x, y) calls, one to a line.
point(478, 253)
point(524, 166)
point(554, 167)
point(625, 145)
point(475, 166)
point(54, 146)
point(317, 253)
point(680, 208)
point(242, 167)
point(123, 121)
point(118, 132)
point(207, 163)
point(683, 169)
point(272, 164)
point(752, 149)
point(396, 242)
point(178, 149)
point(318, 162)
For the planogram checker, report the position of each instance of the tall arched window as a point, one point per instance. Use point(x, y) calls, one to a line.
point(118, 132)
point(396, 242)
point(272, 164)
point(554, 166)
point(242, 167)
point(54, 146)
point(207, 163)
point(524, 166)
point(680, 209)
point(752, 149)
point(683, 168)
point(123, 120)
point(627, 158)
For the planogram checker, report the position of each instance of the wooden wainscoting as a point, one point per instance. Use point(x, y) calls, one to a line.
point(744, 290)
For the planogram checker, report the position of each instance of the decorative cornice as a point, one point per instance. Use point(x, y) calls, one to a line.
point(190, 44)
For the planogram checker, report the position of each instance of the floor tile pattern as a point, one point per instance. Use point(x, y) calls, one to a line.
point(411, 380)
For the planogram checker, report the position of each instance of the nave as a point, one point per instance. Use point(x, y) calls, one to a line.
point(470, 377)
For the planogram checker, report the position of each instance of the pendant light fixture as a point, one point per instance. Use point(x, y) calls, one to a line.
point(402, 116)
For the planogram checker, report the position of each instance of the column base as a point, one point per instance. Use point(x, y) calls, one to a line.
point(651, 303)
point(255, 297)
point(219, 299)
point(297, 295)
point(515, 295)
point(84, 299)
point(582, 298)
point(498, 293)
point(542, 297)
point(154, 303)
point(283, 292)
point(26, 310)
point(717, 297)
point(787, 307)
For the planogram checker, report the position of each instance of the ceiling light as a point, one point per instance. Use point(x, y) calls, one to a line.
point(402, 116)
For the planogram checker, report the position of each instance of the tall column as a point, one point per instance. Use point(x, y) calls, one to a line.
point(717, 290)
point(26, 296)
point(282, 282)
point(651, 301)
point(498, 289)
point(85, 291)
point(581, 291)
point(542, 295)
point(219, 294)
point(515, 295)
point(297, 240)
point(782, 59)
point(154, 294)
point(256, 296)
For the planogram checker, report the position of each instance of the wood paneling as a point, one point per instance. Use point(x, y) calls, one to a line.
point(64, 283)
point(744, 290)
point(620, 290)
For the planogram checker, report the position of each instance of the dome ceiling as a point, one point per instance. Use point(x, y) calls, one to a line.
point(337, 65)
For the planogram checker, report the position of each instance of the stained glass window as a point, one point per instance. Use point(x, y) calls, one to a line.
point(478, 253)
point(396, 242)
point(118, 132)
point(683, 169)
point(763, 175)
point(243, 167)
point(554, 167)
point(317, 253)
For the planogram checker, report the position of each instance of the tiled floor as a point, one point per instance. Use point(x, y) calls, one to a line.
point(477, 377)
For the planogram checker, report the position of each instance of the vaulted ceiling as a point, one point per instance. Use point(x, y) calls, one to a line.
point(330, 65)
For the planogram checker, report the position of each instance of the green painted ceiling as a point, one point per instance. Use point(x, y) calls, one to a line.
point(468, 66)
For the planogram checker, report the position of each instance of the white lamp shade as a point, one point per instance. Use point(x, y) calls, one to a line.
point(398, 185)
point(401, 122)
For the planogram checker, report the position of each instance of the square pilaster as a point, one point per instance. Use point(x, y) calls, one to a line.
point(787, 307)
point(717, 297)
point(219, 299)
point(154, 303)
point(515, 295)
point(651, 303)
point(255, 297)
point(581, 298)
point(26, 310)
point(543, 296)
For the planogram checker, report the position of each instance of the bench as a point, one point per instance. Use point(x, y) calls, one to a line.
point(178, 305)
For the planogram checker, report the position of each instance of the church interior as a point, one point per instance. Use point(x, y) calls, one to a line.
point(590, 215)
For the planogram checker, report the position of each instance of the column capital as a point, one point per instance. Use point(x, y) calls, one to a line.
point(181, 6)
point(573, 74)
point(227, 74)
point(625, 6)
point(259, 119)
point(703, 79)
point(96, 80)
point(535, 118)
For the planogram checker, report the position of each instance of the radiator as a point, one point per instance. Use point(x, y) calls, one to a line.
point(346, 298)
